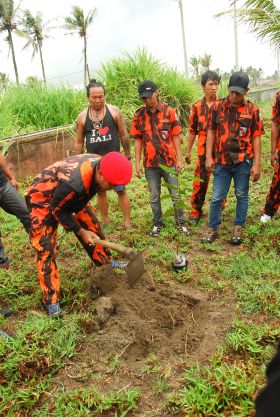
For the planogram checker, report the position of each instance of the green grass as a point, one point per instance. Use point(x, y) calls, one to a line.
point(122, 76)
point(247, 278)
point(227, 386)
point(26, 108)
point(90, 402)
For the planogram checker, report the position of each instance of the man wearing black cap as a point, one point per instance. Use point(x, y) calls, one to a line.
point(234, 139)
point(156, 130)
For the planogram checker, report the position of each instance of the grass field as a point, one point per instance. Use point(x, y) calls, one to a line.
point(52, 368)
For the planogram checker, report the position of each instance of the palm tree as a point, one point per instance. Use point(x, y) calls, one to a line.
point(33, 31)
point(8, 15)
point(195, 63)
point(206, 61)
point(263, 18)
point(79, 23)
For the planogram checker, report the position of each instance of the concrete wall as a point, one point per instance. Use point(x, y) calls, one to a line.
point(263, 95)
point(29, 154)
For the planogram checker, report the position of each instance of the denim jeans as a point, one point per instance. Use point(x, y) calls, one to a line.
point(153, 176)
point(222, 178)
point(12, 203)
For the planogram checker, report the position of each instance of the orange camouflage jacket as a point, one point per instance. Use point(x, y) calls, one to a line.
point(200, 119)
point(156, 130)
point(276, 113)
point(235, 127)
point(61, 190)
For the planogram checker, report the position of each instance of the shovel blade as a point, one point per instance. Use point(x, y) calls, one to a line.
point(135, 268)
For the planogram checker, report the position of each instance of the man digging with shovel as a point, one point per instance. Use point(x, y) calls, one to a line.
point(61, 194)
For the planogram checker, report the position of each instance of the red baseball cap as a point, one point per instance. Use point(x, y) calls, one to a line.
point(116, 168)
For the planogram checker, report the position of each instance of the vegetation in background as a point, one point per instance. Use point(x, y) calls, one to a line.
point(30, 107)
point(8, 23)
point(34, 362)
point(122, 76)
point(263, 18)
point(34, 31)
point(26, 108)
point(200, 65)
point(79, 23)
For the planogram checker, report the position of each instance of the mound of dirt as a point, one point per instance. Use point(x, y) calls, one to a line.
point(134, 322)
point(143, 336)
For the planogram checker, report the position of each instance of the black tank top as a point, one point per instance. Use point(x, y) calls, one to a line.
point(105, 139)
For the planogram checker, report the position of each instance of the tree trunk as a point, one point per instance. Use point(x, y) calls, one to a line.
point(42, 62)
point(85, 60)
point(10, 41)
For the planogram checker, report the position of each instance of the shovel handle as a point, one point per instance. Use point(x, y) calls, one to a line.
point(127, 252)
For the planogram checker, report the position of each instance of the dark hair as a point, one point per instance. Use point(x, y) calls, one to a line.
point(209, 75)
point(94, 83)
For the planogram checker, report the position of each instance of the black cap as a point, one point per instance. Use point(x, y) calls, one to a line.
point(146, 88)
point(238, 82)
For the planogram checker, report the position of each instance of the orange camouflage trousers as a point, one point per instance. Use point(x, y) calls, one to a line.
point(273, 197)
point(44, 240)
point(200, 187)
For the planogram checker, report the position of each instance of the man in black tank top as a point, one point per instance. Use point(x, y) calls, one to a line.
point(101, 128)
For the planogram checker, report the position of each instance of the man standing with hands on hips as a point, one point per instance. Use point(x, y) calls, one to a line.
point(234, 138)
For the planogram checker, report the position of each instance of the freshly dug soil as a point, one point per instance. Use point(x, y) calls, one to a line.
point(141, 335)
point(134, 322)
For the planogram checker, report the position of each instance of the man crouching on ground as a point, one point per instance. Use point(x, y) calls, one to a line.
point(61, 194)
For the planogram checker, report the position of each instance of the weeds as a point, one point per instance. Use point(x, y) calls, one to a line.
point(228, 385)
point(246, 278)
point(89, 402)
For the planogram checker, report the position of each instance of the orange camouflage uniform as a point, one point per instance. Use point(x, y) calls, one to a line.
point(235, 128)
point(61, 194)
point(200, 119)
point(155, 131)
point(273, 197)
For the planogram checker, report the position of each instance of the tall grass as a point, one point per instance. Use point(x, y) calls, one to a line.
point(26, 108)
point(122, 76)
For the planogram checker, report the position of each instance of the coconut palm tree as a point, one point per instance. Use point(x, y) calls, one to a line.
point(195, 63)
point(33, 29)
point(206, 61)
point(263, 18)
point(79, 23)
point(8, 23)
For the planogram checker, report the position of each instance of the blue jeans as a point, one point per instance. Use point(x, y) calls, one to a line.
point(153, 176)
point(222, 178)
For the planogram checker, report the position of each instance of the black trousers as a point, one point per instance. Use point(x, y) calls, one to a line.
point(12, 203)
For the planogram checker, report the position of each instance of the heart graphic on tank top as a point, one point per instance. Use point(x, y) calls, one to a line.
point(103, 130)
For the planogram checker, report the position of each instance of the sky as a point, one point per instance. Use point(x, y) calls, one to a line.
point(124, 25)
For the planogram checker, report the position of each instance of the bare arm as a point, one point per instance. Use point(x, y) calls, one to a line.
point(177, 145)
point(138, 152)
point(210, 141)
point(256, 168)
point(122, 131)
point(80, 134)
point(5, 168)
point(190, 143)
point(275, 132)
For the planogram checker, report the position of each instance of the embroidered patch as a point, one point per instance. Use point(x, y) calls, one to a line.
point(242, 131)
